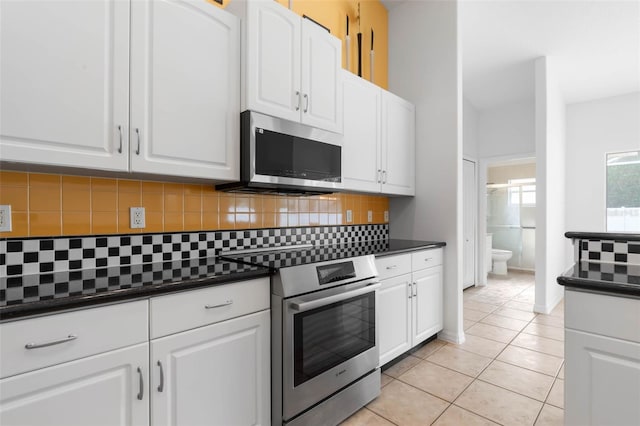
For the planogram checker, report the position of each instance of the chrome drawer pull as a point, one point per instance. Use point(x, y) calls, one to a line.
point(141, 384)
point(55, 342)
point(161, 385)
point(392, 267)
point(138, 133)
point(298, 96)
point(220, 305)
point(428, 259)
point(120, 133)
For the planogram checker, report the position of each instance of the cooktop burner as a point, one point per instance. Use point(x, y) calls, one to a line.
point(282, 257)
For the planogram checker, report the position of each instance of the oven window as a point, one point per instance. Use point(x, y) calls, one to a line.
point(329, 335)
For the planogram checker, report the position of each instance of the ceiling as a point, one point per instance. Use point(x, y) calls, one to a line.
point(595, 45)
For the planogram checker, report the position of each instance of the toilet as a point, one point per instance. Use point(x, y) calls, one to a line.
point(500, 258)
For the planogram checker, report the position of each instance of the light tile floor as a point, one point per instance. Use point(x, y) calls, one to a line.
point(509, 370)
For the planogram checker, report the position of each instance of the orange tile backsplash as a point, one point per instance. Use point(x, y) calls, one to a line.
point(52, 205)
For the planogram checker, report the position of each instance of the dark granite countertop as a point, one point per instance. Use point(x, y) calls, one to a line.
point(609, 236)
point(616, 279)
point(279, 258)
point(44, 293)
point(27, 295)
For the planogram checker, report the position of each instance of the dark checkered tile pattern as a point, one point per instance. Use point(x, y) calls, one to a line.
point(23, 258)
point(626, 274)
point(609, 251)
point(47, 286)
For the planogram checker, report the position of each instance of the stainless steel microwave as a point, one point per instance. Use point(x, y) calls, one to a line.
point(283, 157)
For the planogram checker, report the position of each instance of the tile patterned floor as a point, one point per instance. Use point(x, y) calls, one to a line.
point(509, 371)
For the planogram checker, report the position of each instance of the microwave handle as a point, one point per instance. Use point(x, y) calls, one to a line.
point(300, 306)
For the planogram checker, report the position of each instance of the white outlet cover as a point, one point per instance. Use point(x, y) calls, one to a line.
point(349, 216)
point(137, 217)
point(5, 218)
point(386, 216)
point(369, 216)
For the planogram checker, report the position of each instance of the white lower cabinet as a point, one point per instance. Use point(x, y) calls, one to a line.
point(108, 389)
point(410, 301)
point(213, 375)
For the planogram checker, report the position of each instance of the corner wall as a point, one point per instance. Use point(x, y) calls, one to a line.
point(552, 248)
point(425, 68)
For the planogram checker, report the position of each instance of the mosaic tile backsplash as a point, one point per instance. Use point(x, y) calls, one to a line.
point(610, 251)
point(53, 205)
point(19, 257)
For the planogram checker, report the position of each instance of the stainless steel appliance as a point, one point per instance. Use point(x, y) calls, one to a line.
point(324, 334)
point(281, 156)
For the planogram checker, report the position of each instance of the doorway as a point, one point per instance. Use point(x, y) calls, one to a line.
point(469, 227)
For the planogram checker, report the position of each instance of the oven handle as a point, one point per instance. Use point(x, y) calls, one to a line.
point(305, 306)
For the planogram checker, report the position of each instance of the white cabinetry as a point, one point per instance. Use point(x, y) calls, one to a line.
point(290, 67)
point(150, 87)
point(379, 139)
point(602, 357)
point(218, 372)
point(94, 366)
point(410, 300)
point(109, 387)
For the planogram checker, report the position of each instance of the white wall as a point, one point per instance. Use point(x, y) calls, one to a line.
point(469, 130)
point(506, 130)
point(425, 68)
point(593, 129)
point(552, 248)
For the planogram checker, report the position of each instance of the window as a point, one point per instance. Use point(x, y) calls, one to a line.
point(525, 188)
point(623, 192)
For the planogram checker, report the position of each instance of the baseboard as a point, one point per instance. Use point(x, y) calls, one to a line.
point(447, 336)
point(546, 309)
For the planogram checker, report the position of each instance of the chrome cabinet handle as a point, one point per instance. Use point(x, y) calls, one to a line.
point(410, 291)
point(392, 267)
point(384, 176)
point(53, 342)
point(141, 384)
point(120, 133)
point(138, 134)
point(161, 385)
point(219, 305)
point(306, 105)
point(379, 176)
point(298, 96)
point(429, 258)
point(415, 289)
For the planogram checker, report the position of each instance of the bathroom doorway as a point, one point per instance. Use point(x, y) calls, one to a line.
point(510, 215)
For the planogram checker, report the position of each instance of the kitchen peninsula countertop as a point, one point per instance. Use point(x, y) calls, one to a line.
point(44, 293)
point(616, 279)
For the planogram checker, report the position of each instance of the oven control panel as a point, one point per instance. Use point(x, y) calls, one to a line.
point(335, 272)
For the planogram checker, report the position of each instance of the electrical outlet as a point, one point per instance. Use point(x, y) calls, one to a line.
point(5, 218)
point(137, 217)
point(369, 216)
point(386, 216)
point(349, 216)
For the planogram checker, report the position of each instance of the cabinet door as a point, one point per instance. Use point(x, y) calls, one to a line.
point(107, 389)
point(273, 60)
point(214, 375)
point(361, 144)
point(398, 145)
point(394, 317)
point(427, 303)
point(321, 88)
point(185, 83)
point(64, 83)
point(602, 385)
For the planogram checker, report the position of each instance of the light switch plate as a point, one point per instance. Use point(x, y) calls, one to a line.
point(349, 216)
point(5, 218)
point(386, 215)
point(137, 217)
point(369, 216)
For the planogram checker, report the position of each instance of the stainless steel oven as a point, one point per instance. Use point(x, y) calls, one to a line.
point(324, 340)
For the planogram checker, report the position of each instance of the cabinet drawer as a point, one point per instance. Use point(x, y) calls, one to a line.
point(426, 259)
point(392, 266)
point(96, 330)
point(190, 309)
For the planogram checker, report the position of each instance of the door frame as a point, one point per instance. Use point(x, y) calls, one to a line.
point(485, 163)
point(476, 234)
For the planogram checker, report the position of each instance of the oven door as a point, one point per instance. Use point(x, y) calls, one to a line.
point(329, 340)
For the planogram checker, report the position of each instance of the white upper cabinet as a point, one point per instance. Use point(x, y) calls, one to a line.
point(64, 83)
point(379, 139)
point(290, 66)
point(398, 145)
point(185, 89)
point(72, 97)
point(361, 150)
